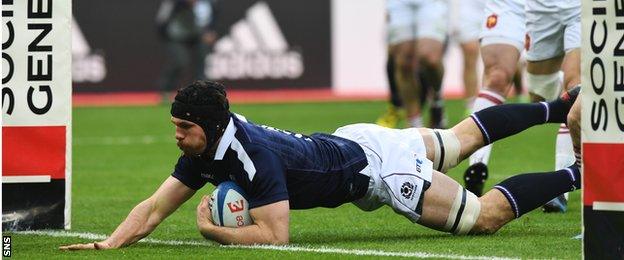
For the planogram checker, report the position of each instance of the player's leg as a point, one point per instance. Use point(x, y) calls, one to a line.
point(502, 39)
point(499, 62)
point(551, 38)
point(571, 68)
point(545, 83)
point(523, 193)
point(446, 148)
point(470, 51)
point(431, 35)
point(564, 149)
point(392, 115)
point(430, 54)
point(449, 207)
point(518, 83)
point(402, 42)
point(574, 123)
point(469, 23)
point(408, 87)
point(544, 79)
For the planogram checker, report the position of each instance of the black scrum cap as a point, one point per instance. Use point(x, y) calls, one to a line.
point(205, 104)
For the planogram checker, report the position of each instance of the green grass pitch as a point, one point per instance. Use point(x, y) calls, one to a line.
point(122, 154)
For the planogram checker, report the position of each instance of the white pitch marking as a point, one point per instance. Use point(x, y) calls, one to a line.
point(26, 179)
point(608, 206)
point(290, 248)
point(124, 140)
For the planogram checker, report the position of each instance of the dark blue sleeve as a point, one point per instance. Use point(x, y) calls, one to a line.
point(268, 184)
point(187, 171)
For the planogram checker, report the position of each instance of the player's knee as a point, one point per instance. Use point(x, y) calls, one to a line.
point(431, 60)
point(404, 65)
point(471, 49)
point(464, 212)
point(498, 79)
point(544, 86)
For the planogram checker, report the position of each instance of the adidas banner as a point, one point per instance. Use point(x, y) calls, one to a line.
point(36, 114)
point(603, 128)
point(260, 44)
point(273, 44)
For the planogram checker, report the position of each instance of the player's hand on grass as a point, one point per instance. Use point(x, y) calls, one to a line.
point(89, 246)
point(204, 214)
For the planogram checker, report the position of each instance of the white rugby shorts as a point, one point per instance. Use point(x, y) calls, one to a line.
point(467, 26)
point(553, 28)
point(416, 19)
point(398, 167)
point(503, 23)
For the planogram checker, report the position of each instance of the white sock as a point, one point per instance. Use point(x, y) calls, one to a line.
point(485, 99)
point(564, 153)
point(415, 121)
point(470, 103)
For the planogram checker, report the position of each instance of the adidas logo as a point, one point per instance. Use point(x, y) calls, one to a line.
point(86, 66)
point(255, 48)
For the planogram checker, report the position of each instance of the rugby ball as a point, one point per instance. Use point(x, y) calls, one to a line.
point(229, 206)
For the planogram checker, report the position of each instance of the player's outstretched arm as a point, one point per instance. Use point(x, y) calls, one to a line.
point(145, 216)
point(270, 225)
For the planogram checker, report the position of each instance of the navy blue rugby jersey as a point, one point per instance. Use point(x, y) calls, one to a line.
point(272, 165)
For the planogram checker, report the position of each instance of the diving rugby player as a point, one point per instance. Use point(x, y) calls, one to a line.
point(365, 164)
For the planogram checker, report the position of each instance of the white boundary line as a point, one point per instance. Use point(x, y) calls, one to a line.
point(290, 248)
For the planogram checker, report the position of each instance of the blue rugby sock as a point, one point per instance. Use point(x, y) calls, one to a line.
point(505, 120)
point(526, 192)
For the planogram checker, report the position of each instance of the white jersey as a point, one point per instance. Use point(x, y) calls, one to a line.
point(398, 167)
point(504, 23)
point(553, 28)
point(414, 19)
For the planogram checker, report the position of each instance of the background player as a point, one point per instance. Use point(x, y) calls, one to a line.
point(416, 32)
point(553, 44)
point(466, 31)
point(502, 41)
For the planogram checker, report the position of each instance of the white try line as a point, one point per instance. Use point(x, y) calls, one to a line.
point(290, 248)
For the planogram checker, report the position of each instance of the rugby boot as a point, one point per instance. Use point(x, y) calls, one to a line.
point(390, 118)
point(474, 178)
point(556, 205)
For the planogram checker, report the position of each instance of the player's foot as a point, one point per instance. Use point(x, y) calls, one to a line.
point(437, 118)
point(474, 178)
point(557, 205)
point(390, 118)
